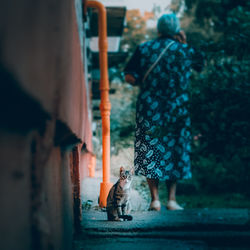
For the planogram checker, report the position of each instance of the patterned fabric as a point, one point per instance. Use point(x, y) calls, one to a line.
point(162, 133)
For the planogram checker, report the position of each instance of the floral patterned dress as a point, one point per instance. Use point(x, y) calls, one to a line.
point(162, 133)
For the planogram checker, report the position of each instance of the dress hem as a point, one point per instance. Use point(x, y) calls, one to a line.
point(166, 179)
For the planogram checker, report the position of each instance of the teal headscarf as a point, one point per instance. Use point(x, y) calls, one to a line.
point(168, 25)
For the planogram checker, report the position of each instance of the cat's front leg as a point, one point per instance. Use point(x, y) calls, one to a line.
point(124, 209)
point(119, 212)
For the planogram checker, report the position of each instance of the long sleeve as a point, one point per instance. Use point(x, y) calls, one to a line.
point(133, 66)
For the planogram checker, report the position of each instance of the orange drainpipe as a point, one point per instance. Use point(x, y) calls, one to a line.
point(105, 105)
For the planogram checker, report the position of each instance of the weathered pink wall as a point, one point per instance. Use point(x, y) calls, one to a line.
point(40, 46)
point(15, 193)
point(40, 51)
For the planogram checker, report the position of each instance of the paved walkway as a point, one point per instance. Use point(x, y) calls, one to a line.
point(95, 222)
point(188, 229)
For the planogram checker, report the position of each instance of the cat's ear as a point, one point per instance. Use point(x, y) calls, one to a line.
point(122, 169)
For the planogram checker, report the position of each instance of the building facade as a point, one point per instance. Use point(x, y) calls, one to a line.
point(45, 123)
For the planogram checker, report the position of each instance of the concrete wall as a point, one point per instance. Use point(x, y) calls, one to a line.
point(44, 121)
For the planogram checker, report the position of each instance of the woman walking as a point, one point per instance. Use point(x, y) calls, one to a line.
point(161, 67)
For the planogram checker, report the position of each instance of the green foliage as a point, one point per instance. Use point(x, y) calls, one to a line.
point(134, 33)
point(220, 95)
point(122, 119)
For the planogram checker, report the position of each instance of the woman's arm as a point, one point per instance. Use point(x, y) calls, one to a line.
point(197, 56)
point(132, 69)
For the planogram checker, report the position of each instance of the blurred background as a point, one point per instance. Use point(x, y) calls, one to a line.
point(220, 97)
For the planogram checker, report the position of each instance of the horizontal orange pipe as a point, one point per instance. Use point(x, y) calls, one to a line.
point(105, 105)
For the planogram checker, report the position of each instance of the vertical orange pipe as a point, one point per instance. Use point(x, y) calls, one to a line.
point(105, 105)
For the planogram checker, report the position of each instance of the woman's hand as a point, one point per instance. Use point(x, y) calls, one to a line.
point(130, 79)
point(181, 37)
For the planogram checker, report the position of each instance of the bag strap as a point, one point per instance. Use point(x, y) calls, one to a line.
point(158, 59)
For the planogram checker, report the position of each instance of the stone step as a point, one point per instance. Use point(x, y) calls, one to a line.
point(209, 228)
point(188, 219)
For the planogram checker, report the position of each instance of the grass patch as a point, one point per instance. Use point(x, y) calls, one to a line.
point(233, 200)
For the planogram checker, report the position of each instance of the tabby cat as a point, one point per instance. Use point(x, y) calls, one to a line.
point(118, 205)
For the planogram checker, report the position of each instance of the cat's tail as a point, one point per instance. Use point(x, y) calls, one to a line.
point(126, 217)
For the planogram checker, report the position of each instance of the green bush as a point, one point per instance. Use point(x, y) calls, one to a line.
point(220, 98)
